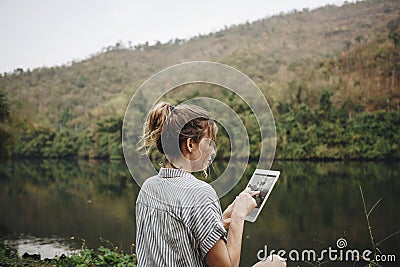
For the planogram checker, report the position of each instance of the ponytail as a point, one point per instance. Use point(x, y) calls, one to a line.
point(153, 127)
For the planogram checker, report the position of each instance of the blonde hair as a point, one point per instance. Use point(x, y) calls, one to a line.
point(182, 122)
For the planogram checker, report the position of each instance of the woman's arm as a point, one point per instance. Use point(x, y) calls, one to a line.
point(228, 254)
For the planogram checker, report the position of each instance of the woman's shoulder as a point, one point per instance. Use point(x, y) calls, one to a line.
point(182, 190)
point(149, 181)
point(204, 192)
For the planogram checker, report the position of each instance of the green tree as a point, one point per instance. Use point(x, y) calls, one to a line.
point(325, 108)
point(5, 130)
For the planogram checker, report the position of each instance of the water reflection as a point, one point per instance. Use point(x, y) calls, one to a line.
point(48, 247)
point(85, 200)
point(311, 206)
point(314, 204)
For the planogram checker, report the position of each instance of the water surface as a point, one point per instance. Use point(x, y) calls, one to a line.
point(51, 206)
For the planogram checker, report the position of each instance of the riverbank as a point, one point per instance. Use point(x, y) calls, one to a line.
point(85, 257)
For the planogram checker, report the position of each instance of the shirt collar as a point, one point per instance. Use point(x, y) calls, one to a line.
point(174, 173)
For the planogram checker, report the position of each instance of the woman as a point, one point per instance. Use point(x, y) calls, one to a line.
point(178, 217)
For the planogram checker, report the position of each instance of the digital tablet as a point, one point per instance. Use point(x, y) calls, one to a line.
point(263, 181)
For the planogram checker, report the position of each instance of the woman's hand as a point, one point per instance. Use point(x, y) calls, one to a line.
point(244, 203)
point(226, 216)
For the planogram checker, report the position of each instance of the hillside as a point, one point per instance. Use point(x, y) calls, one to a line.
point(267, 50)
point(331, 77)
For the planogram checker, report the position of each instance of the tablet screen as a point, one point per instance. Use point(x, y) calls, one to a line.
point(263, 181)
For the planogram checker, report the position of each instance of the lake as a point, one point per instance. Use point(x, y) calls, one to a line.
point(54, 206)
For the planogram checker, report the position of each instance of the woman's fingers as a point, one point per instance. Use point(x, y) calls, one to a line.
point(228, 212)
point(227, 223)
point(247, 201)
point(244, 202)
point(251, 192)
point(254, 193)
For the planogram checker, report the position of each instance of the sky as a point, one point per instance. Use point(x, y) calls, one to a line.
point(46, 33)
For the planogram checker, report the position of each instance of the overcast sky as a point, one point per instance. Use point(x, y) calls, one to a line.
point(53, 32)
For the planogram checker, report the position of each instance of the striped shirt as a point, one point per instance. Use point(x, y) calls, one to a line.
point(178, 220)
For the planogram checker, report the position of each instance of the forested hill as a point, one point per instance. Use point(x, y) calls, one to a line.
point(348, 56)
point(267, 50)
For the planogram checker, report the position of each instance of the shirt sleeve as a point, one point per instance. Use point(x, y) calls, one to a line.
point(207, 223)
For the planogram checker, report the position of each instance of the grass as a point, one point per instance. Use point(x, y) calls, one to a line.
point(374, 245)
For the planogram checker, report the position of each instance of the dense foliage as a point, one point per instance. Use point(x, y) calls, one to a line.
point(302, 133)
point(103, 141)
point(5, 131)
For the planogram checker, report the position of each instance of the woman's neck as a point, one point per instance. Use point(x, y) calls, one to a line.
point(178, 165)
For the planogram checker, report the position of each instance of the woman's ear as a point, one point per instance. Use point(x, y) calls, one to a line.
point(189, 144)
